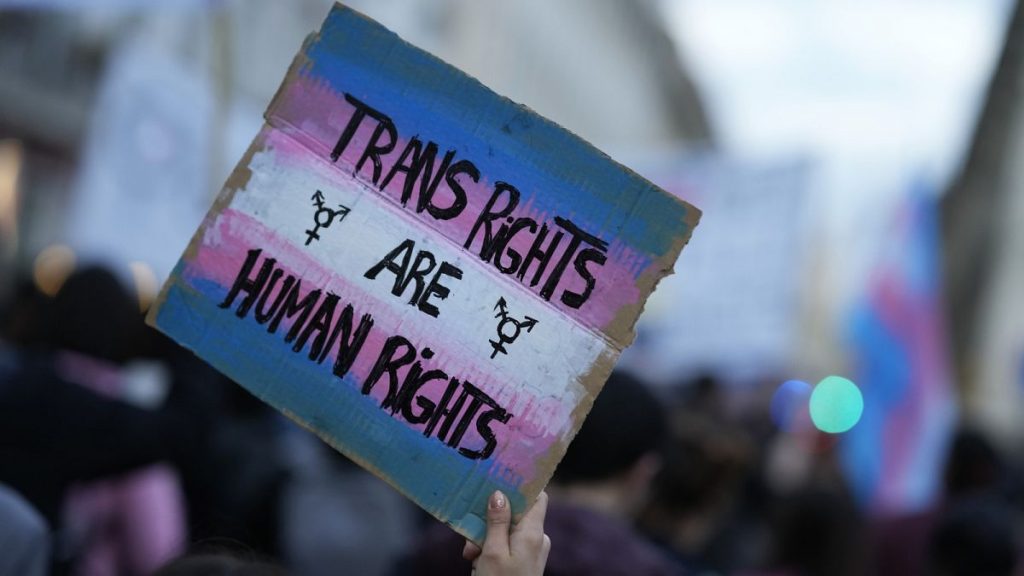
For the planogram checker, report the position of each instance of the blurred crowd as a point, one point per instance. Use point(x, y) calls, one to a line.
point(124, 454)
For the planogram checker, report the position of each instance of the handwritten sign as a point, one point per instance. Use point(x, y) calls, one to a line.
point(432, 278)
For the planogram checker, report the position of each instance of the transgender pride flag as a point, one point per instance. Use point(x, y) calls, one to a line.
point(894, 456)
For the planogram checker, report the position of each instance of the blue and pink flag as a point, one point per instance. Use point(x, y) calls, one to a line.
point(895, 455)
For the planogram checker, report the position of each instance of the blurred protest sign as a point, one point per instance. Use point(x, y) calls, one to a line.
point(143, 184)
point(736, 312)
point(435, 280)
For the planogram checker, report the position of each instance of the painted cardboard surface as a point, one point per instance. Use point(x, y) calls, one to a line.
point(432, 278)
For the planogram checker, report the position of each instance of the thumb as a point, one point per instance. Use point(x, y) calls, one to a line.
point(499, 517)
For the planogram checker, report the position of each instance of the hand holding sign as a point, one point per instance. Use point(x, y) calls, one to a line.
point(511, 551)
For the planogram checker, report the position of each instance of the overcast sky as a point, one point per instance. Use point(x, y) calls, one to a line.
point(899, 79)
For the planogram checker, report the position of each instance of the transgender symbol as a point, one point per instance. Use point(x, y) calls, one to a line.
point(324, 216)
point(508, 328)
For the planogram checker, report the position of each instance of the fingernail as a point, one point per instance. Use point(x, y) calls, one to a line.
point(497, 500)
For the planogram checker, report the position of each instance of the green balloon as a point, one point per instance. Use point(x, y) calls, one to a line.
point(836, 405)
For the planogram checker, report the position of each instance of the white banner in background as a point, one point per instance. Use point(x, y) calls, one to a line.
point(143, 185)
point(733, 307)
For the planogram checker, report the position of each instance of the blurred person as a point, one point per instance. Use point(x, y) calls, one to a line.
point(974, 473)
point(974, 466)
point(703, 396)
point(974, 537)
point(973, 531)
point(25, 537)
point(236, 481)
point(134, 523)
point(93, 317)
point(61, 426)
point(815, 531)
point(694, 510)
point(596, 493)
point(603, 483)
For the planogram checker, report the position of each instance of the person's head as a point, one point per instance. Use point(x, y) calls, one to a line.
point(93, 314)
point(618, 446)
point(975, 537)
point(974, 465)
point(705, 465)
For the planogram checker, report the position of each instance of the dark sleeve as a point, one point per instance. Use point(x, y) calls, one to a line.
point(63, 431)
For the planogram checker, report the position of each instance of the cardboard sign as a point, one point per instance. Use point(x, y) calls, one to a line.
point(432, 278)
